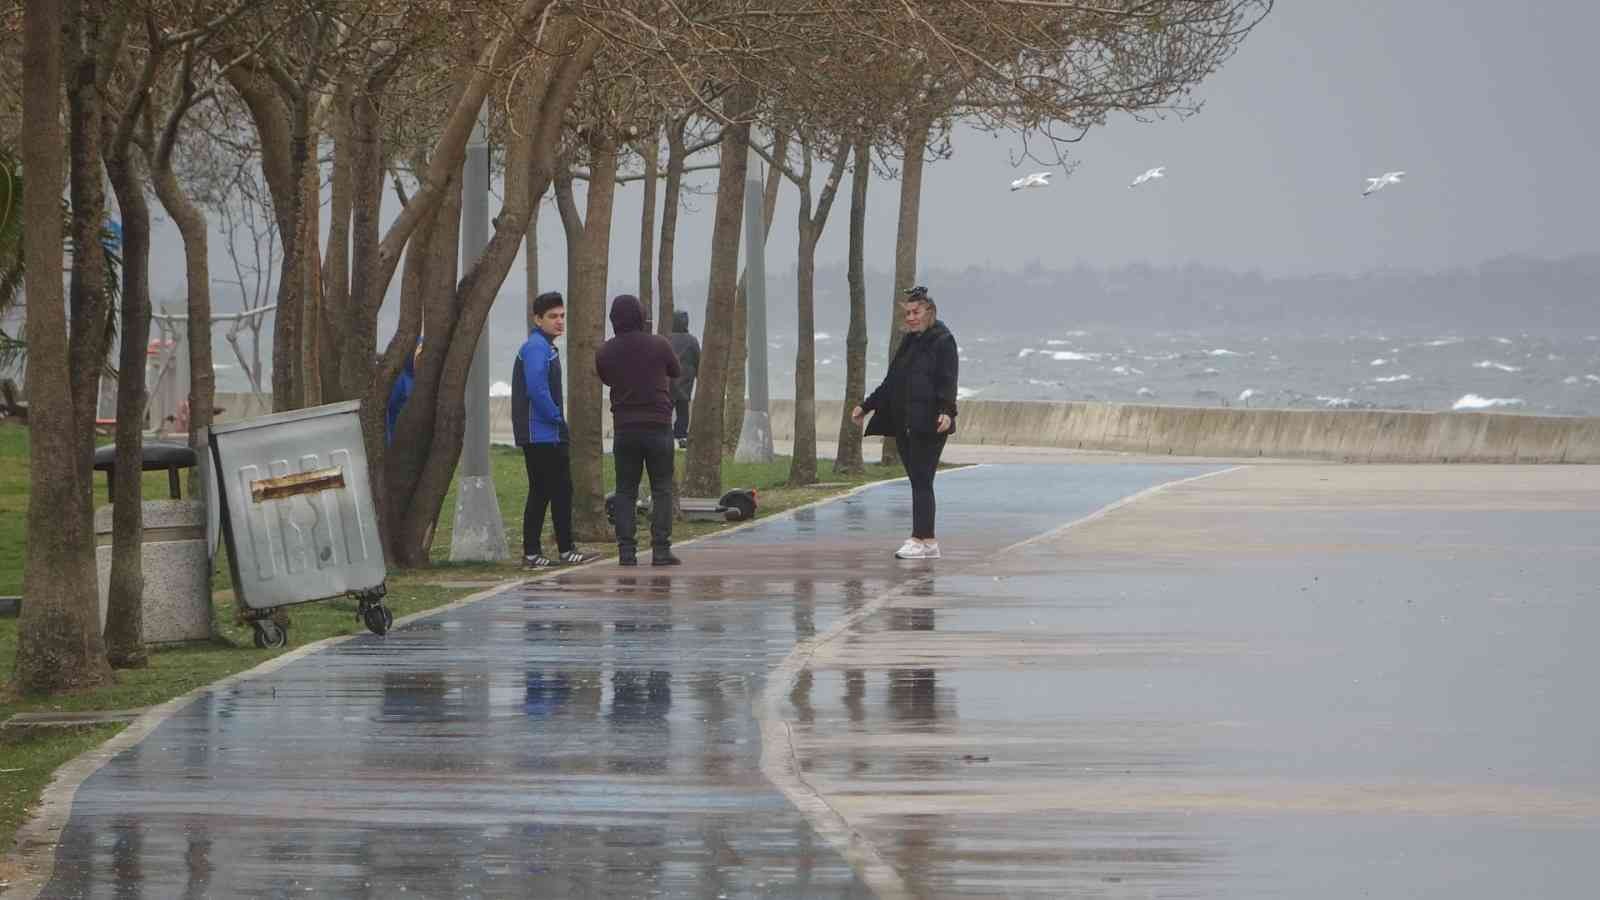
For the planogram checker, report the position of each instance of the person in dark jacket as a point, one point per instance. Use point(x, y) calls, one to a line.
point(639, 368)
point(400, 393)
point(916, 405)
point(687, 349)
point(541, 432)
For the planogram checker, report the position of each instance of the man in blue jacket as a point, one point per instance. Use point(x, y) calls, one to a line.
point(542, 434)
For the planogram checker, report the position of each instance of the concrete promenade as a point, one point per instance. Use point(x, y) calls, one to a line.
point(1214, 681)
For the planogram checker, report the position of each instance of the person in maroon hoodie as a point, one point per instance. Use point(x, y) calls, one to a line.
point(639, 368)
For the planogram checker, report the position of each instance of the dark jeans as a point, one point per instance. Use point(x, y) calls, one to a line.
point(680, 415)
point(919, 453)
point(635, 452)
point(549, 484)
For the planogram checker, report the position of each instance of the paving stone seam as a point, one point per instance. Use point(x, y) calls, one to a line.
point(780, 762)
point(33, 854)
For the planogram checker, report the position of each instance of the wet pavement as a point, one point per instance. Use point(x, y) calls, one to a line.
point(1326, 681)
point(592, 735)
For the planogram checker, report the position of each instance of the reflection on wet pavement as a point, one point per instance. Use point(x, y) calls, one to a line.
point(589, 735)
point(1328, 682)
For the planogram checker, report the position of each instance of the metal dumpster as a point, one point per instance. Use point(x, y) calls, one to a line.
point(298, 517)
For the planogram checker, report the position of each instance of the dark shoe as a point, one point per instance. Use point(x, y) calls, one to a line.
point(537, 561)
point(576, 557)
point(627, 558)
point(683, 443)
point(664, 558)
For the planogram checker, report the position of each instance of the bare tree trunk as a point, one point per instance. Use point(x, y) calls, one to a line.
point(803, 464)
point(738, 366)
point(311, 283)
point(334, 299)
point(586, 330)
point(59, 646)
point(703, 472)
point(905, 244)
point(650, 151)
point(677, 159)
point(531, 257)
point(430, 432)
point(124, 632)
point(288, 382)
point(192, 226)
point(847, 458)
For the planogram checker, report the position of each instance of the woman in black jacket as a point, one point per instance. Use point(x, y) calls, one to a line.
point(916, 405)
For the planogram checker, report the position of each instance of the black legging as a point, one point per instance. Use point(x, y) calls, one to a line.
point(549, 484)
point(919, 453)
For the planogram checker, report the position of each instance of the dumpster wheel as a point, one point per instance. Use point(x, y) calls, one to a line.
point(378, 619)
point(270, 635)
point(371, 611)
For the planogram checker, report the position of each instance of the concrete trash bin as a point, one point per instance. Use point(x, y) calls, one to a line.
point(176, 554)
point(177, 570)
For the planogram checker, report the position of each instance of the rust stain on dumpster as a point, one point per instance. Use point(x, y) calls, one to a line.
point(313, 482)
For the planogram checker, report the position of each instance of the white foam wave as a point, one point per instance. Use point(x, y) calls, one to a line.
point(963, 393)
point(1379, 362)
point(1571, 379)
point(1145, 392)
point(1127, 370)
point(1502, 340)
point(1594, 378)
point(1223, 353)
point(1337, 402)
point(1491, 364)
point(1246, 394)
point(1026, 352)
point(1443, 342)
point(823, 336)
point(1473, 401)
point(500, 389)
point(1036, 382)
point(1391, 379)
point(1071, 356)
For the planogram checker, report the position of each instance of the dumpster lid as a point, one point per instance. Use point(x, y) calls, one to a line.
point(156, 455)
point(293, 415)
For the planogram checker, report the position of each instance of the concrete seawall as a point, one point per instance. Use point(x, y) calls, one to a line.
point(1332, 434)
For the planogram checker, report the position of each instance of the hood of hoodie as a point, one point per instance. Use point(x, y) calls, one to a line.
point(680, 322)
point(627, 314)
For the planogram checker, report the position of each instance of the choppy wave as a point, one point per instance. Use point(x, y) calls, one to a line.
point(1221, 352)
point(1473, 401)
point(1491, 364)
point(1073, 356)
point(500, 389)
point(1379, 362)
point(1391, 379)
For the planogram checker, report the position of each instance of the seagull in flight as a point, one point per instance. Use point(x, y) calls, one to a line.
point(1157, 172)
point(1377, 184)
point(1037, 179)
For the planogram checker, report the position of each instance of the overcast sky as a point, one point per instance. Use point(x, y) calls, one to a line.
point(1481, 102)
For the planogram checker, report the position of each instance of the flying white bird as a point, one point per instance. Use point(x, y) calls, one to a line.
point(1157, 172)
point(1037, 179)
point(1377, 184)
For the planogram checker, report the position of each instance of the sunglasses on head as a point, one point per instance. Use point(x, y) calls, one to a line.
point(916, 294)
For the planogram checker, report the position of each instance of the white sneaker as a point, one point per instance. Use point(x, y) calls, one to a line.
point(918, 550)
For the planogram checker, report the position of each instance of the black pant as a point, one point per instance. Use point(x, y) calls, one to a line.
point(634, 452)
point(680, 414)
point(919, 453)
point(549, 484)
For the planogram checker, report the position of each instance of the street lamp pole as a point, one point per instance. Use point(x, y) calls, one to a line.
point(479, 534)
point(755, 438)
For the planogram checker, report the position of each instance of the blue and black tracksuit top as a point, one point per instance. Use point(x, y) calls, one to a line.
point(536, 393)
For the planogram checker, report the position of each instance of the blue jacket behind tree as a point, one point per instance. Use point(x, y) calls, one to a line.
point(398, 395)
point(536, 414)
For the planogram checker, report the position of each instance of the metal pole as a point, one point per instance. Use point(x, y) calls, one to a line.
point(479, 533)
point(755, 438)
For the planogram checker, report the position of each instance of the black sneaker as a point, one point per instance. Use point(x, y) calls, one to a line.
point(683, 443)
point(538, 561)
point(664, 558)
point(627, 558)
point(576, 557)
